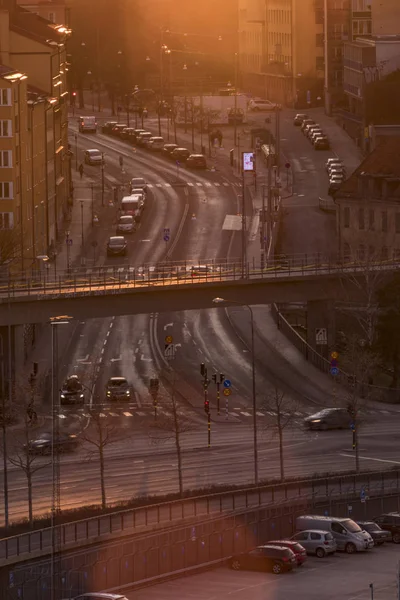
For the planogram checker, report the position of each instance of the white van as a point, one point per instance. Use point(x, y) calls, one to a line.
point(87, 125)
point(347, 534)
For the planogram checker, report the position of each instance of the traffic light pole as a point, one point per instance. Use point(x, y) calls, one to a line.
point(206, 383)
point(218, 382)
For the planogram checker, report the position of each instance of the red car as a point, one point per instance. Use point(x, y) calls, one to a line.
point(295, 547)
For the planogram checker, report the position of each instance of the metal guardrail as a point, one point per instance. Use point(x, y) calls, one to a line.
point(133, 520)
point(110, 280)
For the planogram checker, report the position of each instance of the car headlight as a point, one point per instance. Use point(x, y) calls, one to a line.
point(128, 393)
point(316, 421)
point(81, 395)
point(108, 393)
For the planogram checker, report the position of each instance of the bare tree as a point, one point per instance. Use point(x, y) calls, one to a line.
point(283, 414)
point(171, 422)
point(10, 246)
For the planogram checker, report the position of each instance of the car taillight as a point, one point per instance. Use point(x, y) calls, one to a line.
point(285, 559)
point(326, 543)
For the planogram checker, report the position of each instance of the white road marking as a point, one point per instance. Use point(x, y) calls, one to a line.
point(383, 460)
point(83, 359)
point(150, 185)
point(168, 325)
point(191, 184)
point(246, 414)
point(127, 414)
point(136, 350)
point(217, 184)
point(102, 350)
point(141, 414)
point(159, 185)
point(116, 359)
point(146, 359)
point(260, 414)
point(113, 414)
point(226, 184)
point(199, 184)
point(208, 184)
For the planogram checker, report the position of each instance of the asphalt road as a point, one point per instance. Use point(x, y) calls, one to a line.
point(339, 576)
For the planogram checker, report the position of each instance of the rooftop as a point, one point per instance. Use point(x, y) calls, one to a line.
point(31, 25)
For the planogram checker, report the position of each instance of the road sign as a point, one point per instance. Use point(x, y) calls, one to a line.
point(166, 238)
point(169, 351)
point(227, 383)
point(362, 495)
point(334, 371)
point(169, 339)
point(321, 336)
point(352, 426)
point(227, 391)
point(68, 241)
point(334, 355)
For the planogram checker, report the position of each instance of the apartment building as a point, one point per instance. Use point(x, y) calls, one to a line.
point(385, 17)
point(368, 206)
point(35, 47)
point(54, 11)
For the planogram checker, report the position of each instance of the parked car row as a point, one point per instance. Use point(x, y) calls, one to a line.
point(319, 536)
point(155, 143)
point(312, 131)
point(336, 172)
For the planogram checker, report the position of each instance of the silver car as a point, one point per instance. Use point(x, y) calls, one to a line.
point(329, 418)
point(315, 541)
point(126, 224)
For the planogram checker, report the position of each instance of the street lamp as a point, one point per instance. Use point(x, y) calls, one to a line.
point(185, 93)
point(253, 368)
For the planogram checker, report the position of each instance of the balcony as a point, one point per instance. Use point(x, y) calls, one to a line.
point(354, 90)
point(353, 64)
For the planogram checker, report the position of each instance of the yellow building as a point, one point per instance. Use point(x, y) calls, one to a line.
point(35, 47)
point(281, 49)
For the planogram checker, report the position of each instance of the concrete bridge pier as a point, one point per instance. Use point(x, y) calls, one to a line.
point(321, 325)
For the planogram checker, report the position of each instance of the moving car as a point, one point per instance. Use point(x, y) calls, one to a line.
point(299, 118)
point(379, 535)
point(155, 144)
point(333, 187)
point(118, 388)
point(133, 205)
point(126, 224)
point(108, 126)
point(168, 149)
point(310, 129)
point(390, 522)
point(265, 558)
point(72, 391)
point(93, 157)
point(118, 129)
point(87, 125)
point(42, 444)
point(180, 154)
point(116, 246)
point(346, 533)
point(328, 418)
point(316, 541)
point(336, 172)
point(139, 183)
point(297, 549)
point(196, 161)
point(257, 104)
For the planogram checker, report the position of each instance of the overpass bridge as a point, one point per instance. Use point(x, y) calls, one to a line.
point(168, 287)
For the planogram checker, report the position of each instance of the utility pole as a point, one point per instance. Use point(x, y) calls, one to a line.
point(206, 383)
point(154, 389)
point(192, 117)
point(235, 111)
point(92, 203)
point(102, 178)
point(218, 382)
point(278, 136)
point(244, 246)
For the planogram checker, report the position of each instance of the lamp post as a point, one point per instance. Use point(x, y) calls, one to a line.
point(82, 235)
point(185, 93)
point(253, 371)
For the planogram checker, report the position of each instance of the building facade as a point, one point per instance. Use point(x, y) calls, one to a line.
point(385, 17)
point(368, 207)
point(54, 11)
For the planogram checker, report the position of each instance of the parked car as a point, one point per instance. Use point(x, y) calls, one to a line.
point(118, 388)
point(333, 161)
point(328, 418)
point(125, 133)
point(196, 161)
point(316, 541)
point(322, 143)
point(72, 391)
point(99, 596)
point(235, 115)
point(336, 167)
point(333, 187)
point(116, 246)
point(390, 522)
point(43, 443)
point(348, 536)
point(138, 183)
point(156, 144)
point(126, 224)
point(118, 129)
point(134, 135)
point(265, 558)
point(379, 535)
point(258, 104)
point(315, 133)
point(299, 118)
point(336, 172)
point(93, 157)
point(180, 154)
point(297, 549)
point(168, 149)
point(108, 126)
point(307, 122)
point(142, 137)
point(310, 129)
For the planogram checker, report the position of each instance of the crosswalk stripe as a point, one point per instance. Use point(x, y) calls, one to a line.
point(127, 414)
point(113, 414)
point(246, 414)
point(150, 185)
point(159, 184)
point(260, 414)
point(140, 413)
point(190, 184)
point(168, 185)
point(217, 184)
point(121, 269)
point(199, 184)
point(102, 415)
point(225, 184)
point(208, 184)
point(297, 413)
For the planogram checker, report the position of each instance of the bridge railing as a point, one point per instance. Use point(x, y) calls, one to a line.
point(106, 278)
point(374, 483)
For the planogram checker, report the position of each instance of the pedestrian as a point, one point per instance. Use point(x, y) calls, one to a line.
point(81, 170)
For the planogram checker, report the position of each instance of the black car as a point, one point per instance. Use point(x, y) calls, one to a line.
point(125, 133)
point(299, 118)
point(390, 522)
point(116, 246)
point(42, 444)
point(168, 149)
point(379, 535)
point(180, 154)
point(118, 388)
point(134, 134)
point(72, 391)
point(265, 558)
point(118, 129)
point(196, 161)
point(108, 127)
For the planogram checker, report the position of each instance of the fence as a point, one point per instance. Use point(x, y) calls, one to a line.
point(165, 514)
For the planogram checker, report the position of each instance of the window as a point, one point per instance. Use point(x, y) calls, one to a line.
point(6, 190)
point(397, 222)
point(384, 220)
point(346, 217)
point(5, 97)
point(5, 158)
point(371, 219)
point(319, 63)
point(5, 128)
point(6, 220)
point(346, 251)
point(52, 17)
point(337, 528)
point(361, 224)
point(315, 536)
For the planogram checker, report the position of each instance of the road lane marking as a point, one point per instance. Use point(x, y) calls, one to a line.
point(383, 460)
point(127, 414)
point(83, 360)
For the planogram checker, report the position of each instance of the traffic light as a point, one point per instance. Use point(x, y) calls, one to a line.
point(203, 369)
point(154, 388)
point(354, 438)
point(221, 377)
point(214, 377)
point(206, 406)
point(121, 161)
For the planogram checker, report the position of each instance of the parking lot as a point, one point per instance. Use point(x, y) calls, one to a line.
point(338, 577)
